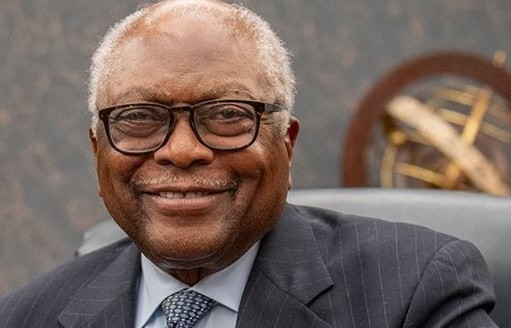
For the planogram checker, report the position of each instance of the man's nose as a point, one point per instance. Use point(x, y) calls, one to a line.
point(183, 148)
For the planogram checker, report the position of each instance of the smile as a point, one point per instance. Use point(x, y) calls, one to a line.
point(184, 202)
point(183, 195)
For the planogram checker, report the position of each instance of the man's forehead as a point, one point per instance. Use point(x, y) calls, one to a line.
point(174, 25)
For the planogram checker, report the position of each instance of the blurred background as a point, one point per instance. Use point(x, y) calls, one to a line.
point(47, 181)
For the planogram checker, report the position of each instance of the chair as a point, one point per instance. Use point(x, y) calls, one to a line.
point(480, 218)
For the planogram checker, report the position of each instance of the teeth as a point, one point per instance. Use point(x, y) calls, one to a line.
point(181, 195)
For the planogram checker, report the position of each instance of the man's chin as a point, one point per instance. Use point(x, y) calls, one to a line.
point(188, 268)
point(180, 253)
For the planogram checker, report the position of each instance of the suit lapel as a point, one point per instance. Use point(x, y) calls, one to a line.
point(109, 299)
point(287, 275)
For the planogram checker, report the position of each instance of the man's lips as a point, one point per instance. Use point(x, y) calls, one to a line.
point(175, 194)
point(183, 195)
point(187, 195)
point(186, 204)
point(186, 199)
point(185, 190)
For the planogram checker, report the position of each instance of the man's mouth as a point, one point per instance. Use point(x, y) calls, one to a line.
point(186, 196)
point(183, 195)
point(186, 203)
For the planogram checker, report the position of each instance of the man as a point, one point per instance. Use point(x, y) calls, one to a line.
point(193, 140)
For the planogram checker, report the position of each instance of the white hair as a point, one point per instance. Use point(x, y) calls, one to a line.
point(273, 59)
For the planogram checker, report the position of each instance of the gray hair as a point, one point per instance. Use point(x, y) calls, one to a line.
point(273, 59)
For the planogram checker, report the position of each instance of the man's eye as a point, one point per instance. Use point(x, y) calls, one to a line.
point(228, 113)
point(137, 116)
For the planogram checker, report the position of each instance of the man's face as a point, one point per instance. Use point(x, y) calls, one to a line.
point(184, 205)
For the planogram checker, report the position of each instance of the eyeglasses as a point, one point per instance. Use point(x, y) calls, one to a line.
point(140, 128)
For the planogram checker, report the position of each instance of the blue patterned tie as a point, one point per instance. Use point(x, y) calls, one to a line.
point(184, 308)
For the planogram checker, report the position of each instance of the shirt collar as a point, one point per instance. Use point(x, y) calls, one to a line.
point(225, 287)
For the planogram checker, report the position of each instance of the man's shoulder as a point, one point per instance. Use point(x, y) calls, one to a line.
point(53, 290)
point(368, 236)
point(326, 221)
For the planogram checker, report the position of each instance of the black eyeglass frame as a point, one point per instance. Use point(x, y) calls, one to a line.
point(260, 109)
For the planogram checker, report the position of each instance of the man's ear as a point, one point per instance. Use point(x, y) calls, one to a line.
point(291, 136)
point(94, 143)
point(290, 140)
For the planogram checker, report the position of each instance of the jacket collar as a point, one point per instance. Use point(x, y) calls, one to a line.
point(288, 274)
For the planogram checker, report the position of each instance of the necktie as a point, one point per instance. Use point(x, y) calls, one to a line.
point(184, 308)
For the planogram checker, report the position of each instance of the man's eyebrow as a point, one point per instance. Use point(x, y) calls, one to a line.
point(227, 90)
point(140, 92)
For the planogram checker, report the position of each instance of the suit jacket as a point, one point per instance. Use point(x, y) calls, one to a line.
point(316, 268)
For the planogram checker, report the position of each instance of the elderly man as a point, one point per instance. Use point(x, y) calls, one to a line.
point(193, 138)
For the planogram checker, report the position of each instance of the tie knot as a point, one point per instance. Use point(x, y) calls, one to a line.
point(184, 308)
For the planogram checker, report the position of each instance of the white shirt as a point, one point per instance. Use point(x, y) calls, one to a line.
point(225, 287)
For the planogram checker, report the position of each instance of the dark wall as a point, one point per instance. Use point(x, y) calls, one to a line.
point(47, 183)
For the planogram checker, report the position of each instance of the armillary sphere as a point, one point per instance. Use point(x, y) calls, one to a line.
point(438, 121)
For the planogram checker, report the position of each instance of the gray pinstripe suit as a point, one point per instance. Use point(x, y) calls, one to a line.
point(314, 269)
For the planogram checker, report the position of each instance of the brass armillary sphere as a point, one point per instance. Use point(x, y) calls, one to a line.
point(439, 121)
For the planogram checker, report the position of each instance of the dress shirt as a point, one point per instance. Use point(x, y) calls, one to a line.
point(225, 287)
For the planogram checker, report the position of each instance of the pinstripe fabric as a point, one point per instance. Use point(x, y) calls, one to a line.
point(96, 290)
point(323, 269)
point(314, 269)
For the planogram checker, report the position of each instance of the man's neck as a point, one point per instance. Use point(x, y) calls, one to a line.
point(190, 277)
